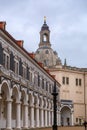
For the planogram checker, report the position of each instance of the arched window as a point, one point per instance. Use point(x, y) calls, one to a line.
point(47, 52)
point(44, 37)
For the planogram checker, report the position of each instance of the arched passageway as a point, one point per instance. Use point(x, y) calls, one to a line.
point(66, 116)
point(5, 106)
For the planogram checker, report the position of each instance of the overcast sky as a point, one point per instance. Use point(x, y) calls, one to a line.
point(67, 20)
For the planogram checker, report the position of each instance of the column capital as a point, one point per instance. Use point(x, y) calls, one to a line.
point(26, 104)
point(37, 106)
point(18, 102)
point(32, 106)
point(9, 100)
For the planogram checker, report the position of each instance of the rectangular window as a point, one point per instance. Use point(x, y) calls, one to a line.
point(76, 82)
point(80, 82)
point(16, 67)
point(42, 83)
point(6, 61)
point(31, 76)
point(63, 80)
point(38, 80)
point(35, 79)
point(46, 86)
point(24, 72)
point(67, 80)
point(50, 88)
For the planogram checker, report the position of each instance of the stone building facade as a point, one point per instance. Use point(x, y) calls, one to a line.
point(73, 99)
point(26, 88)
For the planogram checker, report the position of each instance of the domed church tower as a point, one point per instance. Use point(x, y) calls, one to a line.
point(45, 53)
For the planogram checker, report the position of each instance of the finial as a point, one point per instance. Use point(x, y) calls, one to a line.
point(44, 19)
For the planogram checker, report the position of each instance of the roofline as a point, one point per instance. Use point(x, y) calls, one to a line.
point(15, 41)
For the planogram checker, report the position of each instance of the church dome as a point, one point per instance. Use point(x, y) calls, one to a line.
point(45, 54)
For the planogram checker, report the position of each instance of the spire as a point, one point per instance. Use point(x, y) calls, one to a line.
point(44, 19)
point(65, 63)
point(45, 26)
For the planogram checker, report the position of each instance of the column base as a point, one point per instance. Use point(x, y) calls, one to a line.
point(17, 128)
point(25, 128)
point(7, 128)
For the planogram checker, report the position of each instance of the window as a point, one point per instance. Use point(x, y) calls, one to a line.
point(44, 37)
point(42, 83)
point(24, 71)
point(63, 80)
point(47, 52)
point(16, 67)
point(6, 60)
point(50, 88)
point(78, 82)
point(31, 76)
point(38, 80)
point(46, 86)
point(46, 62)
point(35, 78)
point(67, 80)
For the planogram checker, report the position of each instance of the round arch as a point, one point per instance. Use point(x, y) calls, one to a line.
point(30, 99)
point(23, 96)
point(65, 116)
point(15, 93)
point(5, 96)
point(5, 90)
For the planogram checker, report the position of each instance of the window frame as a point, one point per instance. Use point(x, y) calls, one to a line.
point(6, 60)
point(16, 66)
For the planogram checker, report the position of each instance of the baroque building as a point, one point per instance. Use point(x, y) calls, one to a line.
point(26, 88)
point(73, 100)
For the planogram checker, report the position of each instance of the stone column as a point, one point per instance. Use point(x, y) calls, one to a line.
point(71, 119)
point(52, 117)
point(18, 115)
point(59, 118)
point(49, 117)
point(45, 118)
point(8, 120)
point(32, 116)
point(25, 116)
point(37, 116)
point(42, 118)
